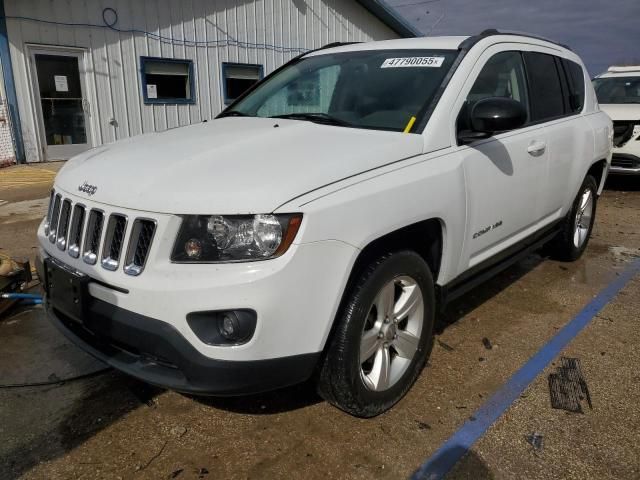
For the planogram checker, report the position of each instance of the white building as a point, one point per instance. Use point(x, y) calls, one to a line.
point(81, 73)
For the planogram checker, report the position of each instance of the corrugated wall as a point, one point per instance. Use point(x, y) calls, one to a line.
point(112, 58)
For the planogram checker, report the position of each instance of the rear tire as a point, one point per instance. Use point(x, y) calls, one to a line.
point(573, 238)
point(383, 336)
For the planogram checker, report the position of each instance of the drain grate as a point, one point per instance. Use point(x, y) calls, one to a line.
point(568, 388)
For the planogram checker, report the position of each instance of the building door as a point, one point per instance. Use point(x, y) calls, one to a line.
point(61, 102)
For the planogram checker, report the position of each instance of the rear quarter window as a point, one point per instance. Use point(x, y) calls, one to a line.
point(575, 80)
point(547, 100)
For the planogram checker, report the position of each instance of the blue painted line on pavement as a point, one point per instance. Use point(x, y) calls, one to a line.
point(443, 460)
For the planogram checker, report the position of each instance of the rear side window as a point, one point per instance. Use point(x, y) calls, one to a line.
point(547, 101)
point(575, 79)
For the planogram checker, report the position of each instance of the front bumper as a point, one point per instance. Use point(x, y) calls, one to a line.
point(295, 296)
point(625, 163)
point(155, 352)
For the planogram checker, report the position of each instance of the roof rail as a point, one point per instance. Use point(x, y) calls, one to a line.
point(324, 47)
point(332, 45)
point(471, 41)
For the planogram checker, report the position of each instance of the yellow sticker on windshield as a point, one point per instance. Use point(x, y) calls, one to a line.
point(412, 62)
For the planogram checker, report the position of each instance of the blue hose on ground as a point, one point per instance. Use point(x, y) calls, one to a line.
point(34, 301)
point(22, 296)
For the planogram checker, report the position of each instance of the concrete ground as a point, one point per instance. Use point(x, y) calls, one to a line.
point(108, 425)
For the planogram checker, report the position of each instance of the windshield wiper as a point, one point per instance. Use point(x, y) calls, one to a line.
point(234, 113)
point(316, 117)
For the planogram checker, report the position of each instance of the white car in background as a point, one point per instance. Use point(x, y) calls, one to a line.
point(618, 92)
point(313, 228)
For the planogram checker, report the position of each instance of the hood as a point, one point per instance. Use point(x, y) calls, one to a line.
point(234, 165)
point(622, 111)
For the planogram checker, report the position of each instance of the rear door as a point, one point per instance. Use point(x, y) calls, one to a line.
point(504, 173)
point(556, 99)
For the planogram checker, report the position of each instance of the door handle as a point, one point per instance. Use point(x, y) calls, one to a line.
point(536, 148)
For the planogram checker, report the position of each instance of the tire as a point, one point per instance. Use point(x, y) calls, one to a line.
point(361, 388)
point(569, 245)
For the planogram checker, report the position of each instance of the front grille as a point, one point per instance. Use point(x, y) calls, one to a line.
point(624, 161)
point(113, 241)
point(139, 246)
point(63, 225)
point(622, 132)
point(77, 229)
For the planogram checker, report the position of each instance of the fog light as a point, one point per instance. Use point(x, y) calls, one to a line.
point(226, 327)
point(229, 327)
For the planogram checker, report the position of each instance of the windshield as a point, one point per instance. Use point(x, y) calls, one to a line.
point(381, 89)
point(617, 89)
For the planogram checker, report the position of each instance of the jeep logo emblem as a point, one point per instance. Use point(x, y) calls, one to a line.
point(88, 188)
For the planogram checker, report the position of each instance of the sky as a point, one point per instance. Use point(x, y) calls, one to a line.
point(602, 32)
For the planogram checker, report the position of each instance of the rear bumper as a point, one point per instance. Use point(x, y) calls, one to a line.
point(155, 352)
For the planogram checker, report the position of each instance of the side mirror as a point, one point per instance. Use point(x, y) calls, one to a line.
point(491, 115)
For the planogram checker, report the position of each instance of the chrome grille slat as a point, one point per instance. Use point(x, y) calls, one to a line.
point(55, 213)
point(63, 225)
point(75, 231)
point(113, 241)
point(92, 236)
point(140, 241)
point(49, 209)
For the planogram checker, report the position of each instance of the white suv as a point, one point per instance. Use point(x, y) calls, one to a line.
point(314, 227)
point(618, 92)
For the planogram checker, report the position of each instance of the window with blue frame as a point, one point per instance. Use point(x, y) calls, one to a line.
point(167, 80)
point(237, 78)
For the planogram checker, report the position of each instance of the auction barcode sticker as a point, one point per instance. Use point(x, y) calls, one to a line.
point(412, 62)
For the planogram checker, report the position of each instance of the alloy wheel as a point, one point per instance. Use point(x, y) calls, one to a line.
point(391, 333)
point(583, 218)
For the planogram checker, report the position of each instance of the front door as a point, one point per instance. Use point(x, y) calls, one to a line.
point(505, 174)
point(61, 103)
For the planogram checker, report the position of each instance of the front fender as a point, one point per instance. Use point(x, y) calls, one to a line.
point(362, 209)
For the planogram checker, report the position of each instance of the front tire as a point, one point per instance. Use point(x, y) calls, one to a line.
point(572, 240)
point(383, 336)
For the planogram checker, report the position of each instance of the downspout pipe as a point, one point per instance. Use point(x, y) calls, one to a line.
point(10, 88)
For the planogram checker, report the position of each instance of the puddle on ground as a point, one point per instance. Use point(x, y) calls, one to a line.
point(624, 254)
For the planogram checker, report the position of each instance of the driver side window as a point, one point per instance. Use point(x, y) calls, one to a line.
point(502, 76)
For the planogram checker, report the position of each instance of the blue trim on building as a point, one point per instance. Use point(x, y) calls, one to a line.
point(167, 101)
point(387, 15)
point(225, 65)
point(10, 88)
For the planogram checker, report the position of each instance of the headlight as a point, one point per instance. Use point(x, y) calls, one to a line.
point(232, 238)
